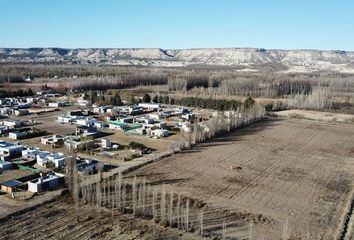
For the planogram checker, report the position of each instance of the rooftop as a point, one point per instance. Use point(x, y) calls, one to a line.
point(11, 183)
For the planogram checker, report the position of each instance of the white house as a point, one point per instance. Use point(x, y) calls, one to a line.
point(116, 127)
point(159, 133)
point(12, 123)
point(44, 158)
point(17, 135)
point(30, 153)
point(55, 139)
point(56, 104)
point(5, 166)
point(106, 143)
point(21, 112)
point(45, 183)
point(4, 129)
point(89, 166)
point(8, 150)
point(152, 106)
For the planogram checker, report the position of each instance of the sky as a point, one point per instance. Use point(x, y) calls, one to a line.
point(270, 24)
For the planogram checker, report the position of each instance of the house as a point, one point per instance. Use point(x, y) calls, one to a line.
point(58, 159)
point(89, 166)
point(100, 109)
point(56, 104)
point(157, 116)
point(52, 95)
point(56, 140)
point(21, 112)
point(128, 119)
point(45, 183)
point(64, 119)
point(161, 125)
point(159, 133)
point(5, 166)
point(12, 123)
point(44, 157)
point(24, 105)
point(106, 143)
point(87, 131)
point(76, 143)
point(69, 118)
point(186, 127)
point(85, 122)
point(118, 126)
point(9, 150)
point(99, 124)
point(145, 120)
point(133, 110)
point(188, 116)
point(150, 106)
point(83, 103)
point(17, 135)
point(10, 186)
point(180, 111)
point(30, 153)
point(7, 111)
point(4, 129)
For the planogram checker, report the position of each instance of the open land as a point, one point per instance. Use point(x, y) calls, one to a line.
point(297, 173)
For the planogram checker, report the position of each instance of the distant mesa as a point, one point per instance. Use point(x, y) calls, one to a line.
point(177, 57)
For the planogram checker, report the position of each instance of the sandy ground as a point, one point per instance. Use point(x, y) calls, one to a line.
point(297, 172)
point(319, 116)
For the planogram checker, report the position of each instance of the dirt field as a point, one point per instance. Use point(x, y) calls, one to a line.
point(297, 172)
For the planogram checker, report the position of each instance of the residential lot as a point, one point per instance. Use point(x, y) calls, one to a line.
point(298, 174)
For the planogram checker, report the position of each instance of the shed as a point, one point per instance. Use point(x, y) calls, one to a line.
point(10, 186)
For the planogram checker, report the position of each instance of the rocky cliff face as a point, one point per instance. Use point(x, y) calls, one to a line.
point(182, 57)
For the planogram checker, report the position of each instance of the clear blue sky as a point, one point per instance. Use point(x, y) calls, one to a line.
point(288, 24)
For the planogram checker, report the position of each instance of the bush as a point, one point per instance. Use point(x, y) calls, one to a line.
point(135, 145)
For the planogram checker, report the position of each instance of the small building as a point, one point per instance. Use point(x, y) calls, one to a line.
point(56, 104)
point(44, 158)
point(106, 143)
point(45, 183)
point(188, 116)
point(17, 135)
point(5, 166)
point(77, 144)
point(83, 103)
point(56, 140)
point(4, 129)
point(21, 112)
point(12, 123)
point(89, 166)
point(30, 153)
point(99, 124)
point(157, 116)
point(9, 150)
point(159, 133)
point(87, 131)
point(7, 111)
point(150, 106)
point(10, 186)
point(65, 119)
point(118, 126)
